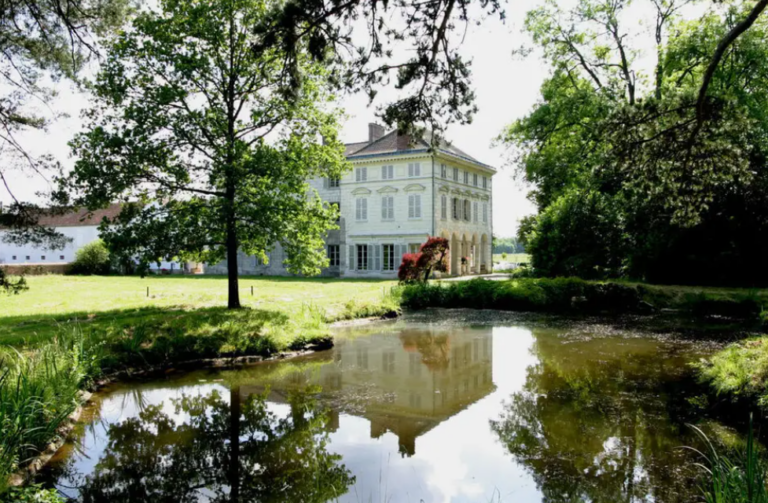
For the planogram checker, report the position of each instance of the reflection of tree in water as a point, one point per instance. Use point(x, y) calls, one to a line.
point(434, 348)
point(599, 425)
point(155, 457)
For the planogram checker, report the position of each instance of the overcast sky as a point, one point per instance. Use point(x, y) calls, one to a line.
point(506, 87)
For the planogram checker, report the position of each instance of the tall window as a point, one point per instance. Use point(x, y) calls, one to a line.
point(467, 211)
point(361, 174)
point(388, 252)
point(362, 257)
point(334, 183)
point(485, 182)
point(474, 211)
point(333, 255)
point(443, 171)
point(388, 208)
point(414, 169)
point(443, 207)
point(456, 174)
point(466, 177)
point(456, 209)
point(474, 179)
point(414, 206)
point(387, 172)
point(485, 213)
point(361, 208)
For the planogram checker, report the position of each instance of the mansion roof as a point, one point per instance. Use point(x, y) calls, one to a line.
point(394, 143)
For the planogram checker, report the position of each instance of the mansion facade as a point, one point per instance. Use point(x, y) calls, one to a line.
point(399, 192)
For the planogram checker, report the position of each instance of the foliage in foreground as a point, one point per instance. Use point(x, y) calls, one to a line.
point(738, 477)
point(37, 393)
point(739, 371)
point(11, 285)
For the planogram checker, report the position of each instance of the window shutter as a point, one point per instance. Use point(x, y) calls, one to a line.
point(325, 183)
point(384, 208)
point(370, 257)
point(417, 205)
point(417, 169)
point(357, 209)
point(365, 174)
point(357, 174)
point(365, 209)
point(351, 257)
point(377, 262)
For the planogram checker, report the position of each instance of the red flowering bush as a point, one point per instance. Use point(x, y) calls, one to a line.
point(409, 270)
point(433, 256)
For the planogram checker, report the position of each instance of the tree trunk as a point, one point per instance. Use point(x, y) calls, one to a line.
point(232, 274)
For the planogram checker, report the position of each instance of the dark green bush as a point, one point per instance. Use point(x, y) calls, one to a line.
point(542, 294)
point(92, 258)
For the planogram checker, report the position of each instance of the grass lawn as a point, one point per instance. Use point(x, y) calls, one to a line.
point(515, 258)
point(54, 302)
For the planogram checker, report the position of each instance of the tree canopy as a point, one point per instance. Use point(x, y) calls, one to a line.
point(656, 178)
point(205, 142)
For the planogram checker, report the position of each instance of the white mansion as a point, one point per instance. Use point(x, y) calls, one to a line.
point(399, 193)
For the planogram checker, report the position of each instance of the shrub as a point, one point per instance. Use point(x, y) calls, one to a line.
point(409, 270)
point(432, 256)
point(92, 258)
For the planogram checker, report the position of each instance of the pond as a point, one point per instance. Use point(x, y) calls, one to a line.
point(435, 407)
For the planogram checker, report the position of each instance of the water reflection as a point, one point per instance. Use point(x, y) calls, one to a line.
point(603, 420)
point(405, 383)
point(407, 412)
point(204, 450)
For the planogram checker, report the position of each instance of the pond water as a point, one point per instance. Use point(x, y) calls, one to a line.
point(434, 407)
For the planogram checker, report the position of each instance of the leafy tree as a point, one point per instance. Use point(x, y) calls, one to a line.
point(92, 258)
point(202, 133)
point(658, 178)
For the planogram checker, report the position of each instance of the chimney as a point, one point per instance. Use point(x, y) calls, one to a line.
point(375, 132)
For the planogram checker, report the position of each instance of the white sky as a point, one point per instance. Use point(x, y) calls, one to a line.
point(506, 88)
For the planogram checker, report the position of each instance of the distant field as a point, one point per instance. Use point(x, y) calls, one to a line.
point(54, 299)
point(518, 258)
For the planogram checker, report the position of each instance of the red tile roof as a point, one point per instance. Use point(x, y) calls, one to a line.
point(81, 217)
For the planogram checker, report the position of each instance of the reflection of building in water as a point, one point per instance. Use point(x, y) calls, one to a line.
point(405, 384)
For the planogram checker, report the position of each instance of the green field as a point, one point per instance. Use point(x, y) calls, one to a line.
point(518, 258)
point(54, 302)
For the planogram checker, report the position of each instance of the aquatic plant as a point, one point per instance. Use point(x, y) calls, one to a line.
point(736, 477)
point(38, 391)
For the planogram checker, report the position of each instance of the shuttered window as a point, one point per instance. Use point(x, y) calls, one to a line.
point(485, 213)
point(387, 172)
point(474, 179)
point(361, 174)
point(456, 209)
point(467, 211)
point(456, 174)
point(474, 211)
point(443, 207)
point(414, 169)
point(443, 171)
point(388, 208)
point(414, 206)
point(361, 209)
point(485, 182)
